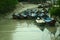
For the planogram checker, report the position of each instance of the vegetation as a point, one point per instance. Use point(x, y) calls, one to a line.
point(7, 5)
point(55, 11)
point(58, 2)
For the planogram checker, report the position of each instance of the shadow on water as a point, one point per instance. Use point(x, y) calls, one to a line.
point(52, 29)
point(40, 26)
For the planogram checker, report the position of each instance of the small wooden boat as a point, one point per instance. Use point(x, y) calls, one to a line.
point(50, 21)
point(40, 22)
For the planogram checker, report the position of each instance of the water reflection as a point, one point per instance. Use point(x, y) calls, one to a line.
point(6, 36)
point(30, 31)
point(26, 30)
point(7, 25)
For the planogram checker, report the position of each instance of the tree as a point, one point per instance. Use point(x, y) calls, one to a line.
point(58, 2)
point(7, 5)
point(55, 11)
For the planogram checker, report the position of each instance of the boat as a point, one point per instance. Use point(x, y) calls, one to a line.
point(40, 22)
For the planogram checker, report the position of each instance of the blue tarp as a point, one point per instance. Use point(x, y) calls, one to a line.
point(48, 19)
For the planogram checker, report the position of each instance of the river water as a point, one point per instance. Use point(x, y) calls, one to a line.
point(26, 30)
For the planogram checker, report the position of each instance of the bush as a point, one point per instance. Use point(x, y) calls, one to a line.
point(55, 11)
point(7, 5)
point(58, 2)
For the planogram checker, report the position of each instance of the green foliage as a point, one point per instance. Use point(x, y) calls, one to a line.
point(55, 11)
point(7, 5)
point(58, 2)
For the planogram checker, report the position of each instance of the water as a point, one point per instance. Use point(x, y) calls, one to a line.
point(25, 30)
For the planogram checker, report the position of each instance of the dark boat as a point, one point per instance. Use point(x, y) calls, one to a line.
point(27, 14)
point(16, 16)
point(33, 15)
point(40, 22)
point(50, 21)
point(24, 15)
point(21, 15)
